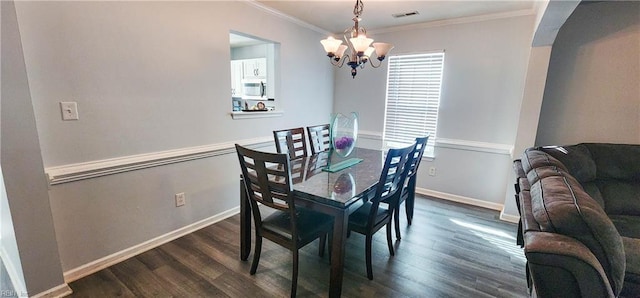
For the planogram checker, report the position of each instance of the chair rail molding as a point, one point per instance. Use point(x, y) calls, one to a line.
point(98, 168)
point(496, 148)
point(457, 144)
point(372, 135)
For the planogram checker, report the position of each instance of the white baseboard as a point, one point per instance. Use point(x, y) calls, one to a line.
point(459, 199)
point(97, 265)
point(509, 217)
point(59, 291)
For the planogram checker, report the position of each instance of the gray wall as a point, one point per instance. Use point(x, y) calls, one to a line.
point(593, 90)
point(22, 170)
point(484, 74)
point(149, 77)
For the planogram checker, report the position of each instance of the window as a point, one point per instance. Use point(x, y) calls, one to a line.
point(413, 96)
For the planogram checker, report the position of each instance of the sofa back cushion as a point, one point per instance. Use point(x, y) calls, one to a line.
point(616, 161)
point(621, 197)
point(560, 205)
point(609, 173)
point(532, 159)
point(576, 158)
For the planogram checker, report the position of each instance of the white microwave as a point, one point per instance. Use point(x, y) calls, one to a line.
point(254, 89)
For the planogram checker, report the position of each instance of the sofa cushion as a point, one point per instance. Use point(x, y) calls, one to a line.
point(620, 197)
point(616, 161)
point(560, 205)
point(576, 158)
point(594, 192)
point(532, 159)
point(627, 225)
point(539, 173)
point(632, 278)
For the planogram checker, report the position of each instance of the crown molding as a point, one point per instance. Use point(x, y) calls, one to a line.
point(456, 21)
point(439, 23)
point(286, 17)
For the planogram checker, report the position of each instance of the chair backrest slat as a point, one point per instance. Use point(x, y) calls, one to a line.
point(418, 152)
point(291, 141)
point(319, 138)
point(267, 178)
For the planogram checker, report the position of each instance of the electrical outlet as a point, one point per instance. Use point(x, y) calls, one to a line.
point(69, 110)
point(181, 199)
point(432, 171)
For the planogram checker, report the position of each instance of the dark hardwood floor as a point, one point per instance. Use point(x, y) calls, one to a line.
point(451, 250)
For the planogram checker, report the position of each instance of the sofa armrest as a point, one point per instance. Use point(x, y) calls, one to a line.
point(561, 266)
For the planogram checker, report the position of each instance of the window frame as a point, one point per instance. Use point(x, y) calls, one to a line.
point(431, 98)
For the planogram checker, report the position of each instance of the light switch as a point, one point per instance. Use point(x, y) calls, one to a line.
point(69, 110)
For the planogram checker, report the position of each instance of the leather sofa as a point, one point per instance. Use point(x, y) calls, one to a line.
point(580, 219)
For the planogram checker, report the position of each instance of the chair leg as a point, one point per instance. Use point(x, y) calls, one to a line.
point(368, 256)
point(396, 221)
point(410, 201)
point(323, 241)
point(256, 255)
point(294, 274)
point(330, 245)
point(389, 240)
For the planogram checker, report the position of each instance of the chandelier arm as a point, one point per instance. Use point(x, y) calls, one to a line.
point(347, 41)
point(340, 62)
point(373, 65)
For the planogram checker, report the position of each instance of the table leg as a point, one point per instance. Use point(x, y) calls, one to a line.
point(340, 226)
point(245, 223)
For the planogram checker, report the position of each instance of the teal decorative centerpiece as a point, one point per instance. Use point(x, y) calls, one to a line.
point(344, 133)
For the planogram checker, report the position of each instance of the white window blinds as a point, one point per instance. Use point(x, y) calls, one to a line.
point(413, 96)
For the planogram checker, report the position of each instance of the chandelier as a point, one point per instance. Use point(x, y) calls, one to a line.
point(359, 45)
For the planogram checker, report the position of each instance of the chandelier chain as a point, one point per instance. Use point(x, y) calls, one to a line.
point(357, 9)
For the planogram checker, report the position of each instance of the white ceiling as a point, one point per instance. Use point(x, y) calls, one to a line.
point(336, 15)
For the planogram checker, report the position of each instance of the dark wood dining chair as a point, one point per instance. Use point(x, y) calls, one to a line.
point(298, 169)
point(409, 190)
point(267, 180)
point(291, 141)
point(371, 217)
point(319, 139)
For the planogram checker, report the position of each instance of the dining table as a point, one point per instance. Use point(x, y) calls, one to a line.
point(336, 192)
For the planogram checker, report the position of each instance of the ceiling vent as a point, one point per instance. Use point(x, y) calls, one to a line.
point(405, 14)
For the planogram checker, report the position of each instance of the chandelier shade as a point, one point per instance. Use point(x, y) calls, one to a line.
point(331, 44)
point(360, 43)
point(361, 47)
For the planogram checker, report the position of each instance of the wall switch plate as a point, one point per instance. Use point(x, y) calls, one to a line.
point(69, 110)
point(432, 171)
point(181, 199)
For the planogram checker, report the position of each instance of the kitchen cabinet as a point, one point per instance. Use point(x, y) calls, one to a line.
point(236, 78)
point(246, 69)
point(254, 68)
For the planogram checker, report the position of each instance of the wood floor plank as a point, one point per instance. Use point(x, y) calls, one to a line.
point(450, 250)
point(101, 284)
